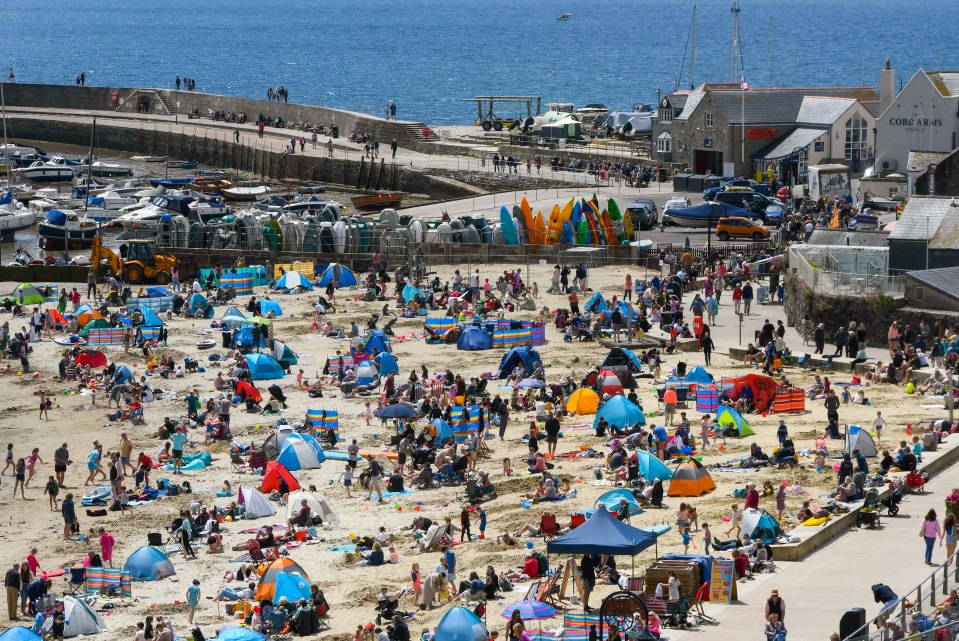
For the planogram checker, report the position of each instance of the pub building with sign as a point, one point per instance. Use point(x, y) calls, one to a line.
point(701, 130)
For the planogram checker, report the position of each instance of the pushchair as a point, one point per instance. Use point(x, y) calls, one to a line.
point(891, 502)
point(869, 512)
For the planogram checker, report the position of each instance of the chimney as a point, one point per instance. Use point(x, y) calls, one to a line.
point(887, 86)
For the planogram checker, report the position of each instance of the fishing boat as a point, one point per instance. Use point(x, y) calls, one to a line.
point(566, 17)
point(312, 189)
point(704, 215)
point(182, 164)
point(246, 194)
point(66, 229)
point(54, 170)
point(210, 186)
point(378, 200)
point(149, 158)
point(105, 170)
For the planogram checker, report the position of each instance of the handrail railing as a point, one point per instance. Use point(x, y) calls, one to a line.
point(915, 600)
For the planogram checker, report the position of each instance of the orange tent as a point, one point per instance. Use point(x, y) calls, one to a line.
point(86, 317)
point(56, 318)
point(691, 479)
point(266, 588)
point(583, 401)
point(271, 479)
point(763, 387)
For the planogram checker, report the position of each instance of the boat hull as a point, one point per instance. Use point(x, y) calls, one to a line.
point(45, 174)
point(376, 202)
point(56, 236)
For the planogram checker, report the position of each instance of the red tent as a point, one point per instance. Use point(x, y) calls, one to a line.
point(609, 382)
point(247, 391)
point(91, 357)
point(56, 318)
point(763, 387)
point(271, 479)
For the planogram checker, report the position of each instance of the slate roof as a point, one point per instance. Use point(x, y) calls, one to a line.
point(947, 235)
point(800, 138)
point(947, 82)
point(944, 280)
point(920, 160)
point(822, 110)
point(922, 217)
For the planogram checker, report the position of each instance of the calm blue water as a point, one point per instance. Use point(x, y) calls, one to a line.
point(429, 54)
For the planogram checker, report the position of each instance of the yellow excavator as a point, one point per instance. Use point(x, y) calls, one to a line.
point(139, 261)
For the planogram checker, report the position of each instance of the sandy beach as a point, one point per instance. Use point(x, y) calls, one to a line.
point(352, 591)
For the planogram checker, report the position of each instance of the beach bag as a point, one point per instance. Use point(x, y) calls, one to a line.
point(99, 512)
point(739, 493)
point(505, 584)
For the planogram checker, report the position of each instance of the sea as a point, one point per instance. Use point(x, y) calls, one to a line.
point(429, 55)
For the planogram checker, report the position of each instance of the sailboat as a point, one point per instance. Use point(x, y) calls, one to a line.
point(566, 17)
point(14, 216)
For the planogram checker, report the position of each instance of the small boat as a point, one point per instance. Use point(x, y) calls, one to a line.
point(566, 17)
point(312, 189)
point(54, 170)
point(206, 344)
point(14, 217)
point(213, 174)
point(702, 215)
point(378, 201)
point(182, 164)
point(245, 193)
point(149, 158)
point(210, 186)
point(63, 229)
point(105, 170)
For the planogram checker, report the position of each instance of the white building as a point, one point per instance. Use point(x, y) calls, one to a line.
point(923, 117)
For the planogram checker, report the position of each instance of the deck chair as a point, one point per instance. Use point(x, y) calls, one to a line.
point(575, 520)
point(548, 526)
point(323, 616)
point(77, 583)
point(237, 463)
point(697, 603)
point(636, 584)
point(532, 591)
point(549, 589)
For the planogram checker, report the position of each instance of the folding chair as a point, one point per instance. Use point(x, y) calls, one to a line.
point(237, 463)
point(77, 584)
point(575, 520)
point(323, 616)
point(532, 591)
point(697, 603)
point(548, 526)
point(549, 588)
point(636, 584)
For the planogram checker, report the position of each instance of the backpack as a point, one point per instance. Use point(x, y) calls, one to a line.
point(505, 584)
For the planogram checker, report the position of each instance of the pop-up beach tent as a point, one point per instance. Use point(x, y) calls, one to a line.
point(149, 564)
point(237, 633)
point(347, 278)
point(274, 472)
point(20, 633)
point(474, 339)
point(266, 588)
point(691, 479)
point(524, 355)
point(583, 401)
point(859, 439)
point(729, 417)
point(256, 505)
point(651, 467)
point(263, 367)
point(292, 280)
point(611, 501)
point(301, 452)
point(79, 619)
point(234, 318)
point(461, 624)
point(319, 506)
point(760, 525)
point(620, 411)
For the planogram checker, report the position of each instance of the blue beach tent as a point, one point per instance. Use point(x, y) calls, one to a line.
point(196, 302)
point(597, 300)
point(122, 374)
point(263, 367)
point(149, 564)
point(347, 278)
point(233, 317)
point(443, 430)
point(386, 364)
point(300, 452)
point(474, 339)
point(610, 500)
point(269, 306)
point(378, 341)
point(410, 292)
point(150, 317)
point(236, 633)
point(292, 280)
point(651, 467)
point(460, 624)
point(523, 355)
point(20, 633)
point(292, 586)
point(620, 411)
point(698, 374)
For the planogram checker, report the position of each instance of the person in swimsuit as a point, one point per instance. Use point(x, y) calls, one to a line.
point(19, 475)
point(32, 464)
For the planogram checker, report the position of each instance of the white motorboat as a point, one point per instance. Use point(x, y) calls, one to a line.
point(14, 217)
point(54, 170)
point(246, 193)
point(203, 209)
point(105, 170)
point(112, 200)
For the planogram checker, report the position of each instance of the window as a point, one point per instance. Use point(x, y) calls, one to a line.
point(856, 138)
point(664, 144)
point(917, 294)
point(819, 146)
point(709, 119)
point(665, 112)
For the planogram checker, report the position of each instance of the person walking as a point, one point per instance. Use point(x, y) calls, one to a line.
point(236, 136)
point(193, 599)
point(839, 339)
point(68, 511)
point(930, 530)
point(393, 148)
point(314, 138)
point(819, 337)
point(950, 534)
point(747, 297)
point(329, 148)
point(375, 472)
point(776, 606)
point(708, 347)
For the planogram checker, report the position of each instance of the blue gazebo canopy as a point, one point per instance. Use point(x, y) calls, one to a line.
point(603, 533)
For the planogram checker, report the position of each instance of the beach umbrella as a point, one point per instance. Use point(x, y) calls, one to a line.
point(530, 610)
point(531, 383)
point(399, 410)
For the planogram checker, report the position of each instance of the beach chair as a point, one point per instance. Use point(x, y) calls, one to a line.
point(77, 583)
point(532, 591)
point(575, 520)
point(548, 526)
point(323, 617)
point(636, 584)
point(549, 589)
point(237, 464)
point(697, 603)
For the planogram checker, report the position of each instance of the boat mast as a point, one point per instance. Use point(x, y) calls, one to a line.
point(772, 49)
point(735, 52)
point(86, 204)
point(692, 61)
point(3, 107)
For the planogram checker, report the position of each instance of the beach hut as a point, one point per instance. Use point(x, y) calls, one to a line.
point(149, 564)
point(460, 624)
point(691, 479)
point(620, 411)
point(859, 439)
point(612, 499)
point(293, 280)
point(79, 619)
point(523, 356)
point(237, 633)
point(583, 401)
point(651, 467)
point(20, 633)
point(300, 452)
point(319, 506)
point(609, 382)
point(347, 278)
point(266, 588)
point(760, 525)
point(91, 357)
point(256, 505)
point(386, 364)
point(269, 306)
point(274, 472)
point(474, 339)
point(263, 367)
point(27, 294)
point(234, 318)
point(729, 417)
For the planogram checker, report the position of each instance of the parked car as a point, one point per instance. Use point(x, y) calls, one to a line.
point(736, 227)
point(644, 213)
point(754, 202)
point(677, 202)
point(761, 188)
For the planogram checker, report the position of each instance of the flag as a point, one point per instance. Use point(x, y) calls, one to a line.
point(742, 83)
point(834, 223)
point(7, 198)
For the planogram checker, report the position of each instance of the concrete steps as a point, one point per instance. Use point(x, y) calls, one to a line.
point(166, 102)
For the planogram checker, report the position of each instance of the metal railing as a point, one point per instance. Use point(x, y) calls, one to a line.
point(819, 276)
point(920, 599)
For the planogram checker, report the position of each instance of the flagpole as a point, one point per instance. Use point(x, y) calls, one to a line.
point(742, 123)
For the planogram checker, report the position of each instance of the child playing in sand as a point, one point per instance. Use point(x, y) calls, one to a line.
point(707, 538)
point(686, 540)
point(735, 521)
point(507, 467)
point(917, 448)
point(368, 413)
point(52, 489)
point(417, 585)
point(347, 477)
